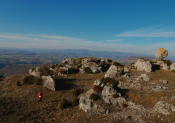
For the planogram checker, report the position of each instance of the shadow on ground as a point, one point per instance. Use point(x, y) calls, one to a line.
point(155, 67)
point(64, 84)
point(122, 91)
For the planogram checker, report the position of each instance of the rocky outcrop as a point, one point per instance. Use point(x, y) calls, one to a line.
point(48, 82)
point(172, 66)
point(164, 108)
point(161, 53)
point(87, 104)
point(30, 71)
point(113, 72)
point(165, 67)
point(143, 65)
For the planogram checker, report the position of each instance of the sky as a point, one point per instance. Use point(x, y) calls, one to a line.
point(132, 26)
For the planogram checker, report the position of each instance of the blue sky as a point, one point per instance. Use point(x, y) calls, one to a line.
point(133, 26)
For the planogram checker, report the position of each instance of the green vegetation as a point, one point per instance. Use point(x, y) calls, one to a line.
point(110, 81)
point(109, 60)
point(64, 104)
point(87, 70)
point(93, 96)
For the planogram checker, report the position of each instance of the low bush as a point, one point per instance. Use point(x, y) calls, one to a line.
point(124, 105)
point(109, 80)
point(87, 70)
point(115, 95)
point(116, 64)
point(66, 62)
point(18, 83)
point(32, 80)
point(98, 61)
point(78, 66)
point(168, 62)
point(53, 66)
point(132, 63)
point(60, 65)
point(44, 69)
point(63, 71)
point(109, 60)
point(64, 104)
point(91, 60)
point(97, 88)
point(93, 96)
point(173, 71)
point(78, 91)
point(75, 101)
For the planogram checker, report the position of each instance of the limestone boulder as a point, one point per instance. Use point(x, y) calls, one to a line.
point(113, 72)
point(164, 108)
point(172, 66)
point(126, 69)
point(48, 82)
point(165, 67)
point(30, 71)
point(161, 53)
point(96, 68)
point(108, 90)
point(143, 65)
point(36, 73)
point(160, 63)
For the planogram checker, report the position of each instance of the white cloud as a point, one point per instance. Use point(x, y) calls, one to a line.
point(155, 31)
point(61, 42)
point(114, 40)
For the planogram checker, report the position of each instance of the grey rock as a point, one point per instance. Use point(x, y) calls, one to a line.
point(172, 66)
point(161, 53)
point(164, 108)
point(165, 82)
point(36, 73)
point(113, 72)
point(143, 65)
point(48, 82)
point(165, 67)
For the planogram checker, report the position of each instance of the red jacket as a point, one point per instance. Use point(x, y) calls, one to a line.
point(40, 95)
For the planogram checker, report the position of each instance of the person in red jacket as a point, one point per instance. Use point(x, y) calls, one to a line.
point(40, 94)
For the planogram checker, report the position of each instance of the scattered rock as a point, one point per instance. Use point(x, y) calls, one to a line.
point(143, 65)
point(48, 82)
point(113, 72)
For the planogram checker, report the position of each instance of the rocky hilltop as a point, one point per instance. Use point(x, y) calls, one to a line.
point(140, 92)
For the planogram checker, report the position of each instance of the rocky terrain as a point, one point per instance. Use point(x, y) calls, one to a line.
point(92, 90)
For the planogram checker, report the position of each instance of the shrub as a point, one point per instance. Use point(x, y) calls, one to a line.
point(64, 104)
point(91, 60)
point(87, 70)
point(66, 62)
point(142, 58)
point(53, 66)
point(63, 71)
point(116, 64)
point(99, 60)
point(168, 62)
point(78, 66)
point(109, 80)
point(109, 60)
point(32, 80)
point(60, 65)
point(75, 101)
point(93, 96)
point(18, 83)
point(124, 105)
point(78, 91)
point(173, 71)
point(97, 88)
point(115, 95)
point(44, 70)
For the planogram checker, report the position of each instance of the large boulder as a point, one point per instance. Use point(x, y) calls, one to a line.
point(165, 67)
point(143, 65)
point(172, 66)
point(48, 82)
point(161, 53)
point(164, 108)
point(96, 68)
point(113, 72)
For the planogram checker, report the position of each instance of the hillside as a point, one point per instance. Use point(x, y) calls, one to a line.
point(19, 103)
